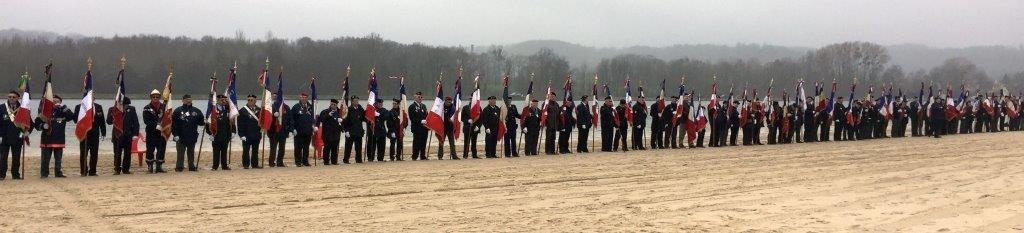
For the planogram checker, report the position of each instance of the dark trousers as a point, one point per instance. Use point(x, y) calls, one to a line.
point(583, 137)
point(220, 155)
point(563, 141)
point(532, 138)
point(397, 145)
point(657, 142)
point(122, 156)
point(491, 144)
point(353, 142)
point(773, 134)
point(509, 141)
point(824, 131)
point(700, 138)
point(840, 131)
point(733, 131)
point(330, 155)
point(378, 148)
point(44, 166)
point(638, 141)
point(450, 137)
point(468, 142)
point(185, 150)
point(606, 138)
point(371, 147)
point(620, 138)
point(88, 153)
point(419, 145)
point(250, 153)
point(155, 148)
point(276, 157)
point(671, 136)
point(549, 141)
point(301, 150)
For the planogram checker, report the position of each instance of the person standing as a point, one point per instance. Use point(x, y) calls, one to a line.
point(220, 130)
point(639, 123)
point(531, 127)
point(249, 133)
point(470, 131)
point(565, 123)
point(608, 124)
point(657, 126)
point(449, 130)
point(551, 113)
point(584, 121)
point(396, 131)
point(330, 120)
point(122, 140)
point(418, 118)
point(185, 129)
point(511, 126)
point(937, 114)
point(379, 133)
point(353, 130)
point(278, 133)
point(88, 149)
point(490, 117)
point(622, 128)
point(304, 126)
point(156, 144)
point(51, 138)
point(671, 125)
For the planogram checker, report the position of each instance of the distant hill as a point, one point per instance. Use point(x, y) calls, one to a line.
point(995, 60)
point(7, 34)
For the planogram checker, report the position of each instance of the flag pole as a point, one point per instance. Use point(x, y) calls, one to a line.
point(263, 140)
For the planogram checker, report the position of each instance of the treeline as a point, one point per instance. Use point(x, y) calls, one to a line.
point(195, 60)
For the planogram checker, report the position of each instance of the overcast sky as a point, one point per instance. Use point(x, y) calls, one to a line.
point(811, 23)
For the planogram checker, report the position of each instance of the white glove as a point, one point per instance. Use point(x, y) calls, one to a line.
point(292, 134)
point(487, 131)
point(211, 139)
point(158, 127)
point(376, 114)
point(277, 114)
point(243, 138)
point(423, 122)
point(523, 132)
point(316, 128)
point(393, 135)
point(175, 138)
point(346, 134)
point(135, 138)
point(46, 125)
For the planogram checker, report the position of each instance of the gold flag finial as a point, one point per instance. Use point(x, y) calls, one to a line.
point(235, 65)
point(460, 71)
point(266, 63)
point(171, 69)
point(88, 63)
point(439, 76)
point(348, 70)
point(531, 76)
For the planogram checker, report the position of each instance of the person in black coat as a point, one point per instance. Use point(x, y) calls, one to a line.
point(490, 117)
point(330, 121)
point(608, 124)
point(156, 144)
point(810, 123)
point(565, 124)
point(531, 128)
point(552, 112)
point(278, 133)
point(584, 122)
point(88, 149)
point(11, 136)
point(839, 117)
point(353, 129)
point(671, 126)
point(249, 132)
point(396, 131)
point(122, 139)
point(185, 129)
point(938, 117)
point(639, 123)
point(304, 124)
point(622, 129)
point(657, 126)
point(470, 131)
point(449, 129)
point(380, 132)
point(418, 119)
point(721, 122)
point(914, 113)
point(221, 135)
point(734, 122)
point(51, 138)
point(511, 147)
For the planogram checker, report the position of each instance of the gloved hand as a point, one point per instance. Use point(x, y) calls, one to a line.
point(470, 121)
point(277, 114)
point(316, 128)
point(423, 122)
point(292, 134)
point(522, 132)
point(487, 131)
point(102, 138)
point(392, 135)
point(135, 137)
point(376, 114)
point(46, 125)
point(243, 139)
point(159, 127)
point(346, 134)
point(175, 138)
point(211, 138)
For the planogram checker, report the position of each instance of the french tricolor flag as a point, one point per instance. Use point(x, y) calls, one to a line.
point(435, 118)
point(474, 109)
point(85, 111)
point(371, 99)
point(266, 116)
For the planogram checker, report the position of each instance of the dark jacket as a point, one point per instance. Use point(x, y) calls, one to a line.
point(584, 118)
point(152, 114)
point(490, 117)
point(281, 124)
point(639, 116)
point(249, 123)
point(302, 119)
point(224, 126)
point(354, 119)
point(187, 119)
point(99, 126)
point(417, 114)
point(52, 136)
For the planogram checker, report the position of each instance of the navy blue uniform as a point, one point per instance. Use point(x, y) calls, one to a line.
point(187, 119)
point(250, 133)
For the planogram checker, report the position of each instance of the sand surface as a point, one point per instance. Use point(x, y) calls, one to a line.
point(957, 183)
